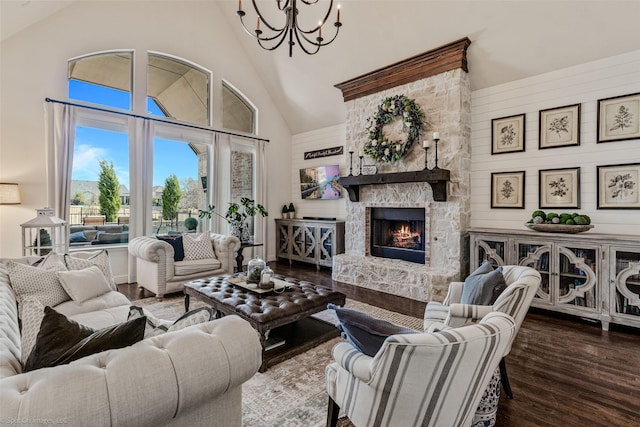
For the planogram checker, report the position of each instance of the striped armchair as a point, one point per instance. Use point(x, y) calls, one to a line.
point(522, 285)
point(426, 379)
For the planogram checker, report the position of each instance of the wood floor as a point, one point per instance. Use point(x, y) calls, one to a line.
point(563, 371)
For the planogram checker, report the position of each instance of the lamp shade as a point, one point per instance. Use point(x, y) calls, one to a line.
point(9, 193)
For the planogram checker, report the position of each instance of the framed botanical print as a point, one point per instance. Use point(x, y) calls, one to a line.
point(619, 118)
point(507, 134)
point(559, 127)
point(559, 188)
point(507, 190)
point(618, 186)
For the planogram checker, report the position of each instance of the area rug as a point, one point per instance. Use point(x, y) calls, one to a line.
point(291, 393)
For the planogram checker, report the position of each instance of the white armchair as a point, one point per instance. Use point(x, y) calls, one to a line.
point(522, 285)
point(157, 271)
point(425, 379)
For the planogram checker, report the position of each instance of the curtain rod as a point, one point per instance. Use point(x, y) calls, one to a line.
point(156, 119)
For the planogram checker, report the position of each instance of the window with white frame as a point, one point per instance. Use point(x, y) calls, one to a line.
point(121, 146)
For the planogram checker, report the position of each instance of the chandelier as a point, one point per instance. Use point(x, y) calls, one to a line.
point(310, 41)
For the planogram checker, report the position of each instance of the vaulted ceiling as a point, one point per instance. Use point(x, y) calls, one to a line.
point(511, 40)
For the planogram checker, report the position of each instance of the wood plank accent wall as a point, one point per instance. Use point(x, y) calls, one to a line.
point(436, 61)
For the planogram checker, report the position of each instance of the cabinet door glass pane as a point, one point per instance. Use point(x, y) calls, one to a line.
point(326, 235)
point(577, 277)
point(628, 283)
point(537, 256)
point(492, 251)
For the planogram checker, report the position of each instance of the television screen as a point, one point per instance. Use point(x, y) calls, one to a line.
point(320, 182)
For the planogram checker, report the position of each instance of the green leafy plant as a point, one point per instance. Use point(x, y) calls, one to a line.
point(236, 213)
point(190, 223)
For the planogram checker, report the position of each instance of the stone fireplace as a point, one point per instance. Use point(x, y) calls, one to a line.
point(438, 82)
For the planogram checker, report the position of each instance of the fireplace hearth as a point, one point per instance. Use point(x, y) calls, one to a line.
point(398, 233)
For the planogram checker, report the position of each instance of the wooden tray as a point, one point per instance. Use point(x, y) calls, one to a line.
point(278, 285)
point(558, 228)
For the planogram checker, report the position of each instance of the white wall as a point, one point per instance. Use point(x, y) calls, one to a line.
point(34, 66)
point(584, 84)
point(333, 136)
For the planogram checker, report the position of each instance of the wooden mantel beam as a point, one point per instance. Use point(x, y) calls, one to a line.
point(436, 61)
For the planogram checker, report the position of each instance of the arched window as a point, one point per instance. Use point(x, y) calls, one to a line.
point(237, 111)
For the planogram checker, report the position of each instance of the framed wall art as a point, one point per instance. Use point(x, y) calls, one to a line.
point(559, 188)
point(559, 127)
point(507, 134)
point(507, 190)
point(619, 118)
point(618, 186)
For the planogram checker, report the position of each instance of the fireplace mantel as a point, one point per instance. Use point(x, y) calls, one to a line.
point(436, 177)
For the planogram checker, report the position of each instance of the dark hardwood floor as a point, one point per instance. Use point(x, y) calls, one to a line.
point(563, 371)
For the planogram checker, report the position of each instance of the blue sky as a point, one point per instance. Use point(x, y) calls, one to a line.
point(93, 145)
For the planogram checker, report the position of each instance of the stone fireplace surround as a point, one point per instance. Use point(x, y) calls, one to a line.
point(445, 96)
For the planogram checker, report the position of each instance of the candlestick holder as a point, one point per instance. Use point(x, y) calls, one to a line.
point(426, 158)
point(350, 163)
point(360, 167)
point(436, 141)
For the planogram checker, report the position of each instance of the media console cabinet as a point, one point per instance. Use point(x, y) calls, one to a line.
point(312, 241)
point(593, 276)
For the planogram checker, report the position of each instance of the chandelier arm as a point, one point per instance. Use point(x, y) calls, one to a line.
point(283, 36)
point(253, 34)
point(315, 41)
point(302, 45)
point(324, 20)
point(265, 22)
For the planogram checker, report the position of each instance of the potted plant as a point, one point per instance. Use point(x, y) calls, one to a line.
point(285, 211)
point(237, 215)
point(191, 224)
point(292, 211)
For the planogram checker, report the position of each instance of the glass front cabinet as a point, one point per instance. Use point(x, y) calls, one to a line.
point(592, 276)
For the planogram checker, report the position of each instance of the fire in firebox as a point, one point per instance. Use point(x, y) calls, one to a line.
point(405, 238)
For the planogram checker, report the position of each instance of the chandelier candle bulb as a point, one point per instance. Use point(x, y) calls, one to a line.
point(338, 19)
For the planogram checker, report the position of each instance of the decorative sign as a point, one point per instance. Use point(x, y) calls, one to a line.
point(333, 151)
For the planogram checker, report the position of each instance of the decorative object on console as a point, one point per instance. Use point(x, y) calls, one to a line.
point(559, 223)
point(507, 134)
point(559, 127)
point(277, 35)
point(507, 190)
point(619, 118)
point(559, 188)
point(285, 211)
point(292, 210)
point(9, 193)
point(379, 147)
point(254, 270)
point(619, 186)
point(45, 233)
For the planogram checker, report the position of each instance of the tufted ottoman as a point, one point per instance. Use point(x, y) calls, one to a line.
point(284, 315)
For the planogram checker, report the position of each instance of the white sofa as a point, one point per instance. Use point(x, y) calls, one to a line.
point(190, 377)
point(157, 271)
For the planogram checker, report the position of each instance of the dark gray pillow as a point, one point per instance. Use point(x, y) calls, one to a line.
point(178, 247)
point(483, 286)
point(365, 332)
point(61, 340)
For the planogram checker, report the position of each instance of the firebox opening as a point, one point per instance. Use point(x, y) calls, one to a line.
point(398, 233)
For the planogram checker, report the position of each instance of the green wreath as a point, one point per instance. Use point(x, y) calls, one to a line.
point(379, 147)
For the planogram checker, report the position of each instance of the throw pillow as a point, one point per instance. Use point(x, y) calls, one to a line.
point(197, 246)
point(176, 242)
point(85, 284)
point(36, 282)
point(61, 340)
point(32, 315)
point(483, 286)
point(365, 332)
point(77, 237)
point(100, 259)
point(193, 317)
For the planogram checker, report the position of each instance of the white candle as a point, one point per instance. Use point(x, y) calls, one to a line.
point(425, 144)
point(361, 154)
point(398, 147)
point(350, 149)
point(266, 279)
point(436, 135)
